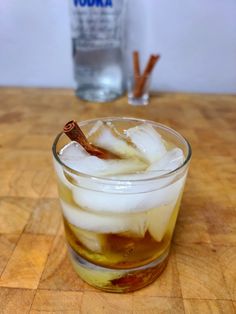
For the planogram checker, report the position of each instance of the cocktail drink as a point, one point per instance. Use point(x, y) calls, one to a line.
point(119, 213)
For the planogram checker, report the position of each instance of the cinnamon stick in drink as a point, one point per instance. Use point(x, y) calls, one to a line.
point(74, 132)
point(147, 72)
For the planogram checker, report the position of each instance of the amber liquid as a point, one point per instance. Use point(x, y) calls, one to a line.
point(121, 251)
point(118, 250)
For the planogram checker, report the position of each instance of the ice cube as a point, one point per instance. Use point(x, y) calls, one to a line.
point(134, 223)
point(106, 136)
point(137, 200)
point(98, 201)
point(148, 141)
point(92, 241)
point(72, 154)
point(75, 157)
point(170, 161)
point(95, 166)
point(72, 151)
point(60, 174)
point(158, 220)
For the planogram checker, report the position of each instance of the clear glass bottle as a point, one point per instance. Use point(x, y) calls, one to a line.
point(98, 40)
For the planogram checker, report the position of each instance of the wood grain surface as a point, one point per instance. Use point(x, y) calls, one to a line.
point(35, 273)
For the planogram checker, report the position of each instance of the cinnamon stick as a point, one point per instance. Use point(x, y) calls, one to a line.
point(136, 65)
point(147, 72)
point(74, 132)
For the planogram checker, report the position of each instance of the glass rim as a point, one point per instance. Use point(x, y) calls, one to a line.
point(113, 180)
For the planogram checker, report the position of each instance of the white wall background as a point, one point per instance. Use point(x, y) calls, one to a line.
point(197, 41)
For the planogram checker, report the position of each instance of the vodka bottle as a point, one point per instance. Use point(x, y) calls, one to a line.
point(98, 41)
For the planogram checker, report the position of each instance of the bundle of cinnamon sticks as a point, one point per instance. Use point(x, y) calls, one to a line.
point(141, 79)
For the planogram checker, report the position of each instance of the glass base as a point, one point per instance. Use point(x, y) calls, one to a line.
point(118, 280)
point(97, 94)
point(141, 101)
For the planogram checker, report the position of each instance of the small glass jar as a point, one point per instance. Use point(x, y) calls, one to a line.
point(138, 96)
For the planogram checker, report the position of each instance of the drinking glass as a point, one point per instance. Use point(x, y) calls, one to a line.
point(119, 231)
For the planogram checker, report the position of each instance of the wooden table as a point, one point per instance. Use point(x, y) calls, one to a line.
point(36, 276)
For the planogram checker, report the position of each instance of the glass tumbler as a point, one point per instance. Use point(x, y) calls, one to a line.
point(119, 231)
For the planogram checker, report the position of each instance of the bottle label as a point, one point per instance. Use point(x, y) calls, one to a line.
point(97, 24)
point(93, 3)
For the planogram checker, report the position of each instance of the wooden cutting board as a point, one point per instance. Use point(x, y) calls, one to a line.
point(36, 276)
